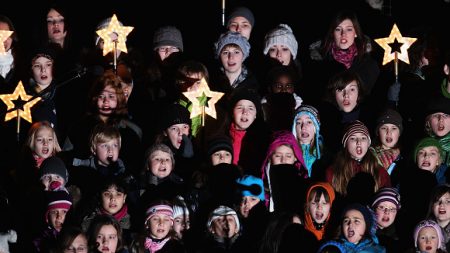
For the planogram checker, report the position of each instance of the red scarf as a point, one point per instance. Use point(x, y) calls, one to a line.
point(119, 215)
point(38, 160)
point(237, 136)
point(344, 56)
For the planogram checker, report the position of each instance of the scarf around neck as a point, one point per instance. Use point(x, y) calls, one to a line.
point(119, 215)
point(154, 245)
point(344, 56)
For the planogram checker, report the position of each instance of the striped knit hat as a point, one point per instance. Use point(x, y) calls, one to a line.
point(57, 200)
point(386, 194)
point(353, 128)
point(159, 209)
point(223, 211)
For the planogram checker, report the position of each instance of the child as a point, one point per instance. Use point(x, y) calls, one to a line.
point(220, 150)
point(437, 124)
point(53, 174)
point(105, 235)
point(181, 217)
point(111, 201)
point(428, 156)
point(439, 209)
point(389, 128)
point(72, 239)
point(386, 205)
point(354, 158)
point(58, 204)
point(428, 237)
point(306, 129)
point(241, 20)
point(252, 193)
point(42, 141)
point(159, 234)
point(282, 150)
point(358, 228)
point(319, 200)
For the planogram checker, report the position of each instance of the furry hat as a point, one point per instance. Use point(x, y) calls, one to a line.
point(232, 38)
point(57, 200)
point(355, 127)
point(223, 211)
point(390, 117)
point(281, 35)
point(369, 218)
point(251, 186)
point(159, 209)
point(313, 114)
point(220, 143)
point(167, 36)
point(386, 194)
point(429, 142)
point(54, 165)
point(174, 114)
point(432, 224)
point(241, 11)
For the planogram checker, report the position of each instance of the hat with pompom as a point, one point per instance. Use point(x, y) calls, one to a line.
point(281, 35)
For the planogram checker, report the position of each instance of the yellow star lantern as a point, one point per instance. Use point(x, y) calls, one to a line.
point(107, 34)
point(395, 36)
point(24, 110)
point(4, 35)
point(195, 96)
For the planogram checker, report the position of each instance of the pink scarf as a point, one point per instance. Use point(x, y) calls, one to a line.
point(344, 56)
point(154, 246)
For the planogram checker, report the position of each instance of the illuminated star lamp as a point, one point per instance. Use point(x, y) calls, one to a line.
point(4, 35)
point(394, 37)
point(197, 108)
point(106, 34)
point(23, 107)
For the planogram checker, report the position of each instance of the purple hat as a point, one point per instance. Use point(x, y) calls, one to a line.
point(433, 224)
point(386, 194)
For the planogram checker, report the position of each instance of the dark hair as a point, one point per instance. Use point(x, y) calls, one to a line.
point(94, 228)
point(317, 192)
point(117, 182)
point(339, 81)
point(187, 68)
point(6, 20)
point(276, 72)
point(67, 236)
point(435, 195)
point(360, 40)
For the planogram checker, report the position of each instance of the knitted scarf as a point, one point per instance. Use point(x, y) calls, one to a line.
point(344, 56)
point(385, 157)
point(154, 245)
point(119, 215)
point(236, 136)
point(38, 160)
point(308, 157)
point(197, 120)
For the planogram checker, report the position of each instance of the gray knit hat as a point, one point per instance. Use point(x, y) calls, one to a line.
point(242, 12)
point(232, 38)
point(168, 36)
point(281, 35)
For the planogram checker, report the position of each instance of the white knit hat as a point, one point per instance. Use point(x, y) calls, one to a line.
point(223, 211)
point(281, 35)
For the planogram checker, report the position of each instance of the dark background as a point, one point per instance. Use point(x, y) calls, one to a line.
point(200, 20)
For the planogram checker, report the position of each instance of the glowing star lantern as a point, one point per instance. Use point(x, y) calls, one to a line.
point(107, 34)
point(194, 97)
point(4, 35)
point(23, 105)
point(395, 37)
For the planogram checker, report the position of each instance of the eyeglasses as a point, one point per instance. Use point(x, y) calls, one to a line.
point(387, 210)
point(78, 249)
point(55, 21)
point(168, 49)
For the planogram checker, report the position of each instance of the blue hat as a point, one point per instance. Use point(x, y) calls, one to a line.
point(313, 114)
point(248, 183)
point(232, 38)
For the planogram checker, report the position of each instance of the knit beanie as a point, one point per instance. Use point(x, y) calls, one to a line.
point(180, 211)
point(223, 211)
point(369, 218)
point(386, 194)
point(174, 114)
point(246, 94)
point(390, 117)
point(241, 12)
point(54, 165)
point(353, 128)
point(432, 224)
point(159, 209)
point(313, 114)
point(103, 24)
point(220, 143)
point(57, 200)
point(251, 186)
point(167, 36)
point(429, 142)
point(438, 104)
point(232, 38)
point(281, 35)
